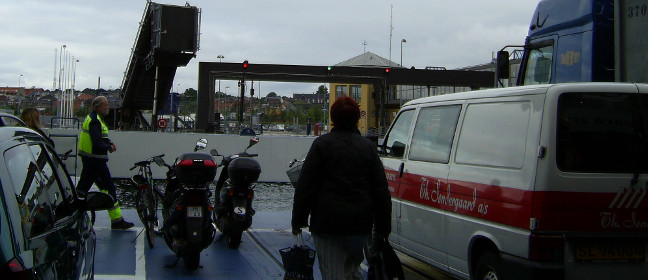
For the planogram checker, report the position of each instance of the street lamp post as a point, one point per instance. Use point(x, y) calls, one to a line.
point(226, 97)
point(19, 80)
point(220, 60)
point(402, 41)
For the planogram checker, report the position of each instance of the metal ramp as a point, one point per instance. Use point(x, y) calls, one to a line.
point(168, 37)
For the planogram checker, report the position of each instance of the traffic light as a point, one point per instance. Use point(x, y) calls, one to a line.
point(245, 65)
point(329, 70)
point(386, 70)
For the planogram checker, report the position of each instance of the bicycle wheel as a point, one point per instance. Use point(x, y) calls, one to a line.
point(142, 204)
point(152, 217)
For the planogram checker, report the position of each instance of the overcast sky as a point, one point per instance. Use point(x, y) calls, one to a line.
point(101, 33)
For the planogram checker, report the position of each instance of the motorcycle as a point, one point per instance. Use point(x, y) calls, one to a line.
point(234, 193)
point(186, 205)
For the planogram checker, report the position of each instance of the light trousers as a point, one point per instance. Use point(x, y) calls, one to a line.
point(340, 256)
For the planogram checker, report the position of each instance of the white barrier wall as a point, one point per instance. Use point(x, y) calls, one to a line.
point(275, 151)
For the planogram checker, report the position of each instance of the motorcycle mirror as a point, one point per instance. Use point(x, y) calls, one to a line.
point(159, 161)
point(253, 141)
point(213, 152)
point(201, 144)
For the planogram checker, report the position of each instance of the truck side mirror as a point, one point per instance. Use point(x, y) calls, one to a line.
point(503, 67)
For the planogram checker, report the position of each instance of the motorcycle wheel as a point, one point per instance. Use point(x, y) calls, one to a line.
point(191, 260)
point(234, 238)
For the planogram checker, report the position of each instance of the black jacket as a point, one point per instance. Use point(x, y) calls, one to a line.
point(342, 187)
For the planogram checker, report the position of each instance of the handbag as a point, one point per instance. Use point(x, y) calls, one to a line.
point(298, 260)
point(384, 264)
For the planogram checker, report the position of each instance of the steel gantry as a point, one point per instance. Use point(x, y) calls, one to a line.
point(209, 72)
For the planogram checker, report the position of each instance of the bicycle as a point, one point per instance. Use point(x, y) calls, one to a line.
point(146, 197)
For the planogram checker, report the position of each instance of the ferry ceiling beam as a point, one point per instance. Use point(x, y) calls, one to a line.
point(209, 72)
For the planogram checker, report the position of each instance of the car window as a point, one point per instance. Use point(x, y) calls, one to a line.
point(398, 136)
point(433, 133)
point(63, 176)
point(31, 195)
point(8, 120)
point(58, 200)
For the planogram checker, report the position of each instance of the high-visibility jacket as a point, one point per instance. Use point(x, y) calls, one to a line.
point(86, 147)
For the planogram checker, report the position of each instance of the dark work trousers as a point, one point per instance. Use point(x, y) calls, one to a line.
point(96, 171)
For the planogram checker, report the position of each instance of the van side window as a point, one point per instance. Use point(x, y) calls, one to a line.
point(31, 195)
point(397, 139)
point(598, 132)
point(433, 133)
point(494, 134)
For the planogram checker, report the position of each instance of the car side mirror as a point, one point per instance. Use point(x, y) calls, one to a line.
point(98, 201)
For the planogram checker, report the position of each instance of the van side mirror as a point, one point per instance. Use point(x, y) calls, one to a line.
point(398, 149)
point(503, 67)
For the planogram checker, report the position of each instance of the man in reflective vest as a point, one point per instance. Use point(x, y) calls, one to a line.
point(94, 146)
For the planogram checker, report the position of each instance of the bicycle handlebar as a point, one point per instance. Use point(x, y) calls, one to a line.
point(147, 162)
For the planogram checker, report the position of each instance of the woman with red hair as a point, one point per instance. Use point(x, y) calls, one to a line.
point(342, 187)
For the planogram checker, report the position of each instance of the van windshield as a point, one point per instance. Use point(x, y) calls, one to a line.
point(601, 133)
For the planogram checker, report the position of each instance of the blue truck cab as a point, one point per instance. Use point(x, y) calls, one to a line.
point(569, 41)
point(583, 41)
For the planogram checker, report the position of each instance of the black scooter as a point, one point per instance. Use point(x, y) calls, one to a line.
point(186, 206)
point(235, 191)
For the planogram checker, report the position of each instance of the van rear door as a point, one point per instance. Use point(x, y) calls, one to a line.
point(592, 186)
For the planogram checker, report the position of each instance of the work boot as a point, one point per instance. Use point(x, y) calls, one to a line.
point(121, 225)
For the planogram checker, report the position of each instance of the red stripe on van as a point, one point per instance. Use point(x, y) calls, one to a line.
point(577, 211)
point(552, 211)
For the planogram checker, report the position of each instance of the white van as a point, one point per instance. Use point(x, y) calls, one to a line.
point(534, 182)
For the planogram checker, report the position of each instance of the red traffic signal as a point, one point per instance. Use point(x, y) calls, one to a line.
point(245, 65)
point(386, 70)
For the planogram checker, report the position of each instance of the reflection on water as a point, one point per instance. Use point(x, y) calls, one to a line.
point(267, 197)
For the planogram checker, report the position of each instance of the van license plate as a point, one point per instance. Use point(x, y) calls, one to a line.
point(194, 211)
point(610, 251)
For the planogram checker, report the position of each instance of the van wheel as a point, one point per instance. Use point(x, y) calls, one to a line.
point(488, 267)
